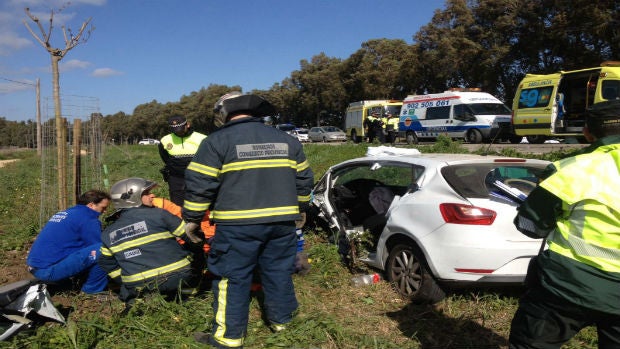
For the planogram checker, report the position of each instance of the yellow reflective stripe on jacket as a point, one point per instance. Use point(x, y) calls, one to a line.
point(303, 198)
point(106, 251)
point(115, 273)
point(263, 212)
point(140, 241)
point(157, 271)
point(205, 170)
point(302, 165)
point(180, 230)
point(252, 164)
point(220, 317)
point(195, 206)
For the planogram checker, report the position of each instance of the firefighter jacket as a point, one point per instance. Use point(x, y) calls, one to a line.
point(578, 205)
point(177, 152)
point(247, 173)
point(140, 246)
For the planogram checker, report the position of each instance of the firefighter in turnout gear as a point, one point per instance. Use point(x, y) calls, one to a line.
point(176, 150)
point(575, 282)
point(139, 249)
point(255, 180)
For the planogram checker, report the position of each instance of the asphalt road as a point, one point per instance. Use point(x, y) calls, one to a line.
point(526, 148)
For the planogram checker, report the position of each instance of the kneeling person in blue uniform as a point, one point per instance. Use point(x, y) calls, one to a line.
point(139, 250)
point(68, 245)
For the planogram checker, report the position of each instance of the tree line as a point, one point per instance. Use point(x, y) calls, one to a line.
point(489, 44)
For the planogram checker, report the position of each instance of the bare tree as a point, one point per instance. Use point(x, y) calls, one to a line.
point(56, 54)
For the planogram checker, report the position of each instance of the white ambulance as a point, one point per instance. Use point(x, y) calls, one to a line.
point(457, 113)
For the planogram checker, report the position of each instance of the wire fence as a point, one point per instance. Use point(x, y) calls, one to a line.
point(80, 155)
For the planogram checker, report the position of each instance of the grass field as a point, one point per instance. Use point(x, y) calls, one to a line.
point(332, 313)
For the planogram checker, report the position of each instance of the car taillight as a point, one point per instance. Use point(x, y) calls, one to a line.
point(466, 214)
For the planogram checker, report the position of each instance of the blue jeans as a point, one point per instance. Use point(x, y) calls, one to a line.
point(81, 261)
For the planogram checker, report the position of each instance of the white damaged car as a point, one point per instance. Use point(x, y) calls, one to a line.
point(430, 221)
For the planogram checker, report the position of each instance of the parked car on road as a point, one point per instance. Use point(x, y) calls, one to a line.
point(326, 134)
point(430, 222)
point(147, 141)
point(301, 134)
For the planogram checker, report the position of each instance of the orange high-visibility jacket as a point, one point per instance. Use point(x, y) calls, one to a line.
point(205, 224)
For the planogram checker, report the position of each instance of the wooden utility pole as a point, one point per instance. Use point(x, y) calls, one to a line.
point(77, 159)
point(56, 55)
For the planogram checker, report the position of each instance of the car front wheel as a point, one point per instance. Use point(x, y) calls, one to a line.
point(411, 138)
point(474, 136)
point(409, 275)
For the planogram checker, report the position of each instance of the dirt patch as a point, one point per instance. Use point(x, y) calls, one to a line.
point(4, 162)
point(67, 296)
point(14, 267)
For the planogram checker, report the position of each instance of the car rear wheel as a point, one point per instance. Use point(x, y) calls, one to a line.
point(354, 137)
point(536, 139)
point(407, 271)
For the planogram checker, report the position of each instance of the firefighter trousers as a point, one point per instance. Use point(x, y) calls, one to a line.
point(236, 251)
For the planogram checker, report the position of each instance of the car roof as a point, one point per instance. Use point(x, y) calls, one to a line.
point(442, 158)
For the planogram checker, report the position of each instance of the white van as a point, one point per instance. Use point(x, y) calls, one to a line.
point(457, 113)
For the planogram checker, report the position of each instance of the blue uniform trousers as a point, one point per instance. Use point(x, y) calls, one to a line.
point(80, 261)
point(236, 251)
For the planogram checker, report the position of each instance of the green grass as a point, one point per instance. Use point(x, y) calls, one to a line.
point(332, 313)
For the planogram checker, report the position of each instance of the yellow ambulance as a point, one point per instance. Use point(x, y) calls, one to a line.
point(357, 112)
point(554, 105)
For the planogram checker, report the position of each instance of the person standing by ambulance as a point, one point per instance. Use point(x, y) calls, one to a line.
point(391, 127)
point(256, 180)
point(372, 124)
point(575, 282)
point(176, 150)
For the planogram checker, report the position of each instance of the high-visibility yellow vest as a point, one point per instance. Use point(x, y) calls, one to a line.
point(588, 230)
point(182, 146)
point(392, 124)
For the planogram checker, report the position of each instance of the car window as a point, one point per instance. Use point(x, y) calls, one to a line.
point(332, 129)
point(476, 180)
point(438, 113)
point(397, 176)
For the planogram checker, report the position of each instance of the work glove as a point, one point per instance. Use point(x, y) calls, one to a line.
point(302, 266)
point(301, 222)
point(194, 235)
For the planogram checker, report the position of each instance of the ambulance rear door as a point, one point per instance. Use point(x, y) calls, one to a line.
point(534, 106)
